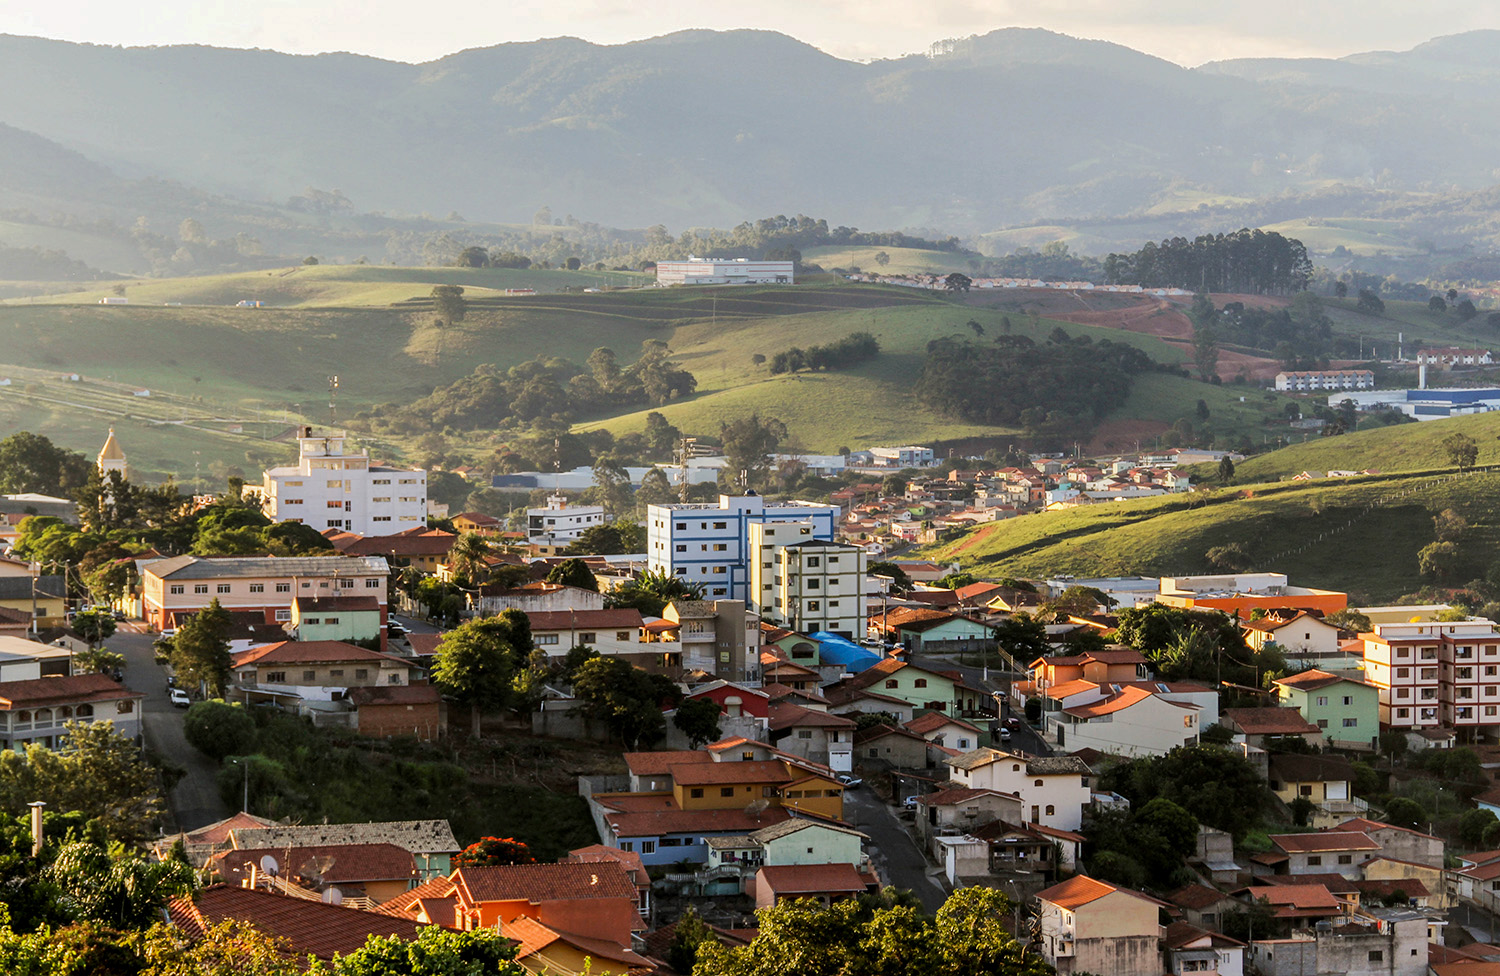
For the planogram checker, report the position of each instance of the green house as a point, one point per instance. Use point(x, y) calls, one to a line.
point(336, 618)
point(1344, 706)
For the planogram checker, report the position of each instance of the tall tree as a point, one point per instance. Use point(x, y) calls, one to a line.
point(467, 557)
point(200, 650)
point(748, 445)
point(477, 661)
point(449, 303)
point(32, 463)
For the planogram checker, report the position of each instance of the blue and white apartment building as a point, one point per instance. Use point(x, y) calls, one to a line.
point(710, 544)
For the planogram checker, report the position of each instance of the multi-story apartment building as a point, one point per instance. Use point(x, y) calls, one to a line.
point(332, 488)
point(709, 543)
point(560, 521)
point(1435, 673)
point(804, 583)
point(175, 589)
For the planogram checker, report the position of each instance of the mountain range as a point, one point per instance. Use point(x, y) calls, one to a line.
point(710, 128)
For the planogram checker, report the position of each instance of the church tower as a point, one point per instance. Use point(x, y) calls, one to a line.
point(111, 458)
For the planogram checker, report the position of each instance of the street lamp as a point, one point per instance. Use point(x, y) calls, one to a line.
point(244, 764)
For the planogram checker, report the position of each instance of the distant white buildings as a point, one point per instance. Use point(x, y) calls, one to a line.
point(896, 457)
point(723, 271)
point(1313, 380)
point(710, 543)
point(1424, 404)
point(560, 521)
point(330, 488)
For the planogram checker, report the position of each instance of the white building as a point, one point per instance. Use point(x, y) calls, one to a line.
point(1312, 380)
point(902, 457)
point(709, 543)
point(561, 521)
point(805, 583)
point(723, 271)
point(330, 488)
point(1053, 789)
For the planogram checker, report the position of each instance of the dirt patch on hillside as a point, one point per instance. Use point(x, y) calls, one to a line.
point(975, 538)
point(1119, 436)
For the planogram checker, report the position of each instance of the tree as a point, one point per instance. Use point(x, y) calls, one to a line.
point(99, 772)
point(473, 256)
point(1449, 525)
point(1216, 785)
point(1023, 638)
point(1393, 743)
point(1439, 560)
point(1231, 557)
point(1341, 289)
point(1465, 310)
point(1436, 305)
point(449, 303)
point(748, 444)
point(957, 282)
point(652, 591)
point(1226, 470)
point(200, 651)
point(628, 700)
point(125, 892)
point(1473, 824)
point(597, 540)
point(32, 463)
point(1176, 826)
point(691, 932)
point(574, 572)
point(97, 660)
point(218, 729)
point(900, 582)
point(1461, 450)
point(1205, 340)
point(698, 719)
point(468, 557)
point(495, 851)
point(476, 662)
point(882, 258)
point(1405, 812)
point(94, 625)
point(435, 952)
point(1369, 303)
point(612, 485)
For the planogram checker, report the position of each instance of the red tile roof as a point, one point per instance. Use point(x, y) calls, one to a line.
point(943, 798)
point(533, 938)
point(791, 880)
point(724, 773)
point(309, 927)
point(789, 716)
point(1328, 840)
point(218, 833)
point(536, 883)
point(661, 763)
point(1196, 897)
point(394, 695)
point(1366, 824)
point(332, 864)
point(1078, 891)
point(1302, 897)
point(59, 690)
point(310, 652)
point(403, 545)
point(629, 860)
point(654, 823)
point(323, 604)
point(1270, 721)
point(932, 721)
point(548, 620)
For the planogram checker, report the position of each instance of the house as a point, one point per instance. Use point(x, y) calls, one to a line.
point(1346, 708)
point(331, 487)
point(1302, 637)
point(430, 842)
point(1132, 722)
point(545, 950)
point(201, 844)
point(336, 618)
point(1096, 667)
point(1053, 789)
point(376, 872)
point(1325, 781)
point(492, 599)
point(735, 700)
point(918, 686)
point(629, 860)
point(389, 710)
point(1413, 877)
point(663, 833)
point(305, 927)
point(1028, 848)
point(1254, 726)
point(478, 523)
point(932, 630)
point(174, 589)
point(957, 811)
point(1092, 926)
point(1376, 942)
point(36, 710)
point(421, 548)
point(1244, 593)
point(716, 636)
point(794, 841)
point(596, 897)
point(813, 734)
point(1337, 851)
point(852, 701)
point(946, 731)
point(610, 632)
point(1187, 948)
point(1202, 906)
point(21, 659)
point(1297, 905)
point(893, 746)
point(16, 593)
point(824, 883)
point(291, 671)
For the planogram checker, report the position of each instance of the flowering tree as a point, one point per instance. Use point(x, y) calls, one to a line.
point(488, 851)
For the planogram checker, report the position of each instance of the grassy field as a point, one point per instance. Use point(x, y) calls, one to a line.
point(325, 286)
point(1361, 536)
point(1405, 447)
point(1362, 236)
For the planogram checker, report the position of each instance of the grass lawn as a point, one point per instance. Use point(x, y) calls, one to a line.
point(1406, 447)
point(904, 260)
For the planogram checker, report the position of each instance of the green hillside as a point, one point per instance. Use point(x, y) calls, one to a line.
point(1406, 447)
point(1362, 536)
point(903, 260)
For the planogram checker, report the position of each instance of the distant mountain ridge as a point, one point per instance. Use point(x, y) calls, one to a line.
point(703, 127)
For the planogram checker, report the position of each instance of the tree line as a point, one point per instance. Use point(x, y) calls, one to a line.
point(849, 351)
point(1246, 261)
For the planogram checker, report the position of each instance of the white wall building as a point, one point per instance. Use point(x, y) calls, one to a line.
point(902, 457)
point(709, 543)
point(561, 521)
point(331, 488)
point(1053, 789)
point(804, 583)
point(1309, 380)
point(723, 271)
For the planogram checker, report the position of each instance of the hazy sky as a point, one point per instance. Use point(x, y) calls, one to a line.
point(1186, 31)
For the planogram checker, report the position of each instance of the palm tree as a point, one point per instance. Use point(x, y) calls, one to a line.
point(468, 557)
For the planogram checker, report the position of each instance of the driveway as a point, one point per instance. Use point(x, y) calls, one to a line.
point(896, 857)
point(195, 801)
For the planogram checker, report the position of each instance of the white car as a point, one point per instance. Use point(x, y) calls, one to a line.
point(179, 698)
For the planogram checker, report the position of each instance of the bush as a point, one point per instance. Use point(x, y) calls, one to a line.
point(218, 729)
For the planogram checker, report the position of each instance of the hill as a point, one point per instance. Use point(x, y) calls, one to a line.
point(1405, 447)
point(1084, 127)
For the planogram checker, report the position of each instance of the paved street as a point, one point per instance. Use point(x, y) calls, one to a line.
point(195, 801)
point(895, 855)
point(1026, 738)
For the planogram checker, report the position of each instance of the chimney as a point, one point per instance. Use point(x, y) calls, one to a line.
point(36, 828)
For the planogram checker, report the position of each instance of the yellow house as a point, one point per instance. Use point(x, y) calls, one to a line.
point(728, 785)
point(16, 593)
point(820, 795)
point(545, 951)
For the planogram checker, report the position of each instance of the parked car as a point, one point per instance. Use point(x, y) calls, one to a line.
point(872, 642)
point(394, 629)
point(850, 782)
point(119, 614)
point(179, 698)
point(1004, 734)
point(171, 681)
point(1013, 723)
point(910, 803)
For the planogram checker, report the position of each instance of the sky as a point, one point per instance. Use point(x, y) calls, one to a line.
point(1188, 32)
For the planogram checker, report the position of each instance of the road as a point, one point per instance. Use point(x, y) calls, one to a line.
point(195, 800)
point(896, 857)
point(1026, 739)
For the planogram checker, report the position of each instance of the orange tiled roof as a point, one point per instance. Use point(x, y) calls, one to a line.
point(537, 883)
point(309, 927)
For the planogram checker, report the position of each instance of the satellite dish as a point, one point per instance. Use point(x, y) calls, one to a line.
point(268, 864)
point(333, 896)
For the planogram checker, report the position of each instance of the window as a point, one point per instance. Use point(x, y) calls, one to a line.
point(380, 481)
point(360, 674)
point(1377, 955)
point(874, 753)
point(282, 616)
point(336, 673)
point(812, 584)
point(726, 791)
point(682, 548)
point(309, 675)
point(814, 605)
point(395, 679)
point(1346, 858)
point(276, 677)
point(1403, 672)
point(545, 639)
point(1348, 699)
point(291, 501)
point(1305, 789)
point(1314, 860)
point(123, 708)
point(222, 588)
point(721, 525)
point(1322, 699)
point(622, 635)
point(892, 683)
point(804, 733)
point(747, 756)
point(1322, 723)
point(283, 587)
point(175, 588)
point(330, 620)
point(257, 587)
point(1051, 810)
point(648, 847)
point(721, 547)
point(1038, 783)
point(200, 587)
point(1350, 723)
point(920, 682)
point(335, 484)
point(1403, 713)
point(312, 621)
